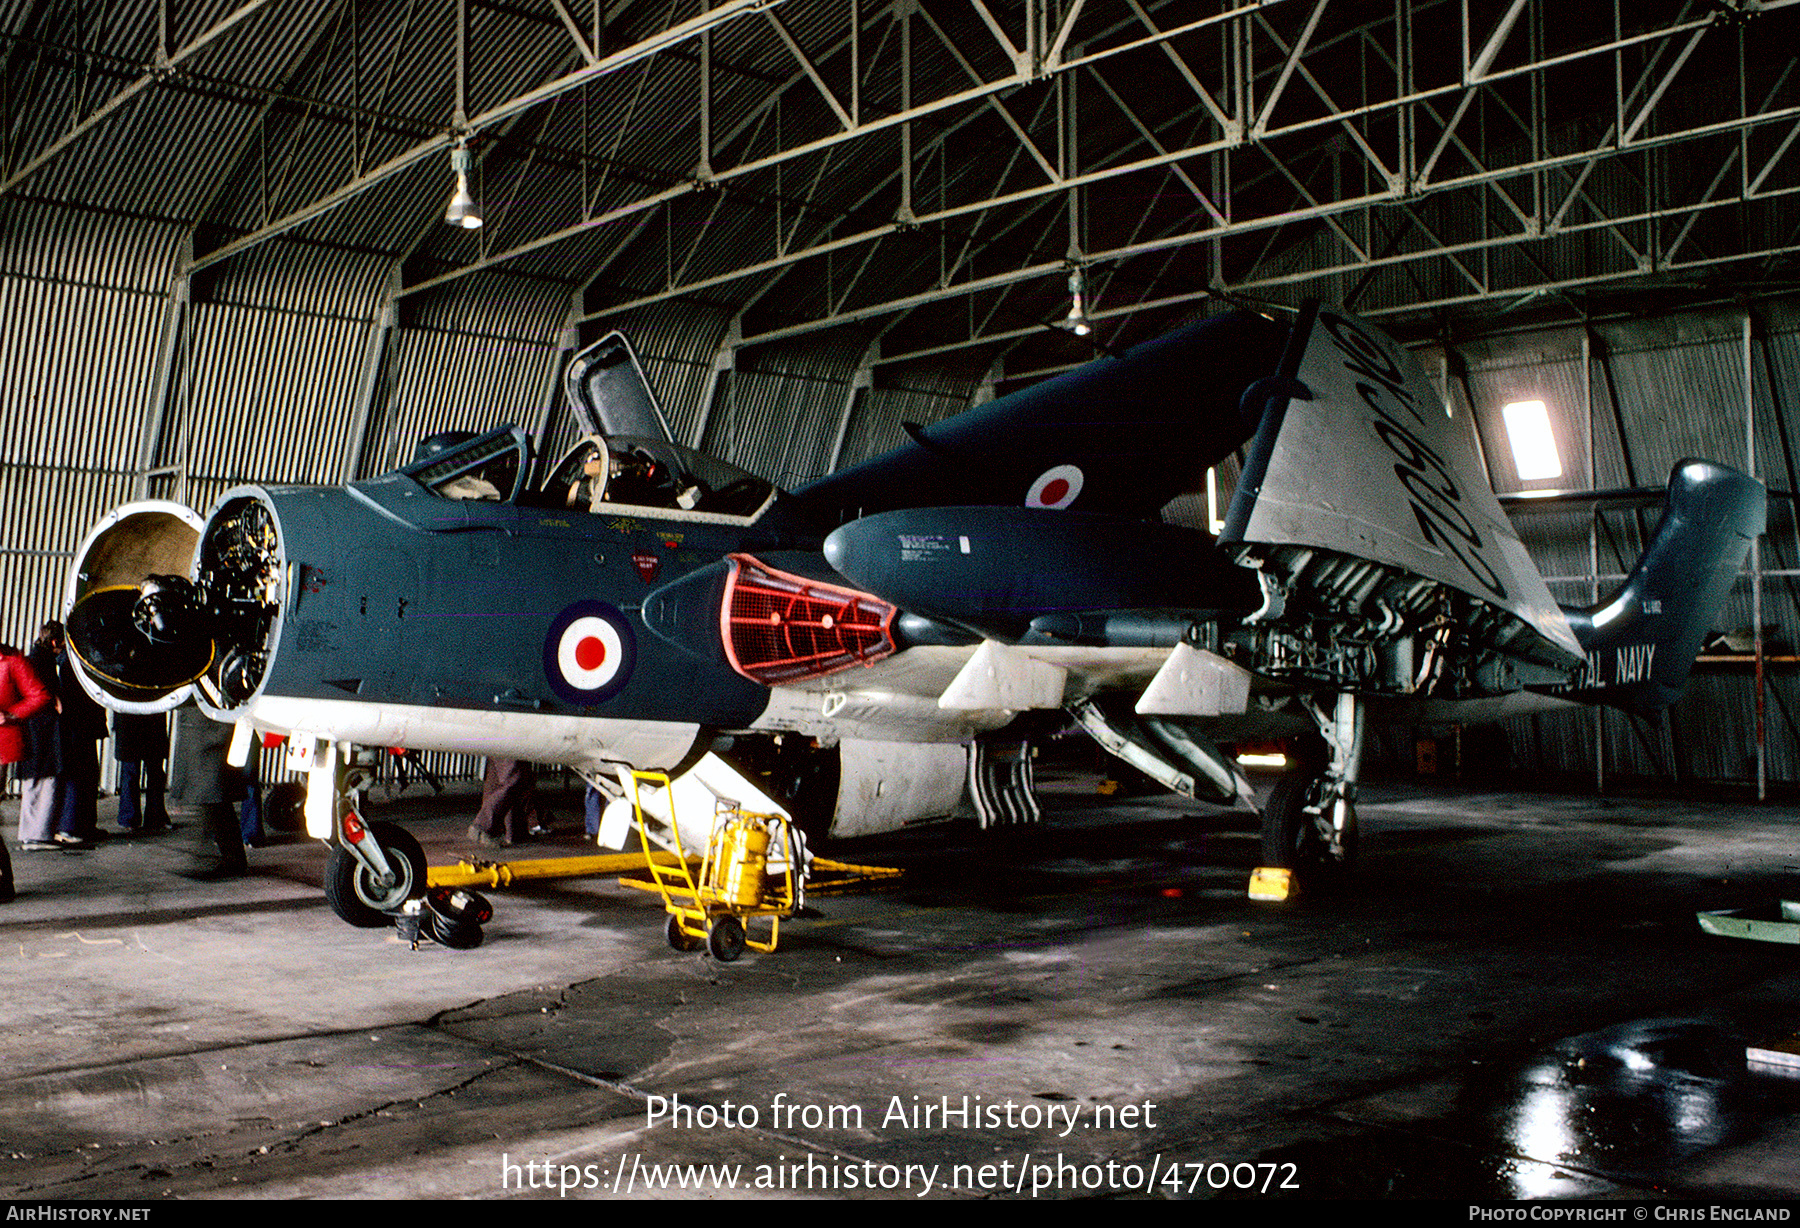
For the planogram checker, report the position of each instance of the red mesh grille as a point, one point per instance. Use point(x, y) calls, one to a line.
point(780, 628)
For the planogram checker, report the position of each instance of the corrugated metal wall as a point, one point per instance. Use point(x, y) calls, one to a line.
point(1677, 386)
point(779, 412)
point(84, 299)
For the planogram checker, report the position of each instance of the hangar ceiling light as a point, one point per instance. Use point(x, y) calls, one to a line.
point(462, 210)
point(1077, 321)
point(1533, 443)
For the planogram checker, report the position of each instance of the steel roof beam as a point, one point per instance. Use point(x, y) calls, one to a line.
point(1034, 330)
point(673, 36)
point(582, 47)
point(164, 65)
point(1151, 140)
point(1361, 265)
point(1481, 294)
point(1485, 172)
point(993, 103)
point(1227, 125)
point(1316, 210)
point(899, 119)
point(810, 70)
point(785, 260)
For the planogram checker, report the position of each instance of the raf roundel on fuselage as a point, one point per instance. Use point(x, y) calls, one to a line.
point(589, 652)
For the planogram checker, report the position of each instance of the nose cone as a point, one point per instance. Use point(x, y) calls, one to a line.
point(119, 664)
point(109, 639)
point(848, 549)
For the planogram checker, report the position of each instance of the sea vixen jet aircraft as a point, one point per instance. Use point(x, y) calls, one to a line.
point(876, 646)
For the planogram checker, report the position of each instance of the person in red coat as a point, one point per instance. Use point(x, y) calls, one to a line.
point(21, 694)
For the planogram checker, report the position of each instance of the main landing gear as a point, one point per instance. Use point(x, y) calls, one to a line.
point(1309, 824)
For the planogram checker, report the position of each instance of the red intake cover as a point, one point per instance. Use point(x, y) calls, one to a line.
point(779, 628)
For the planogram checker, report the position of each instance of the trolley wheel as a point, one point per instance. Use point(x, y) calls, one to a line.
point(725, 939)
point(352, 891)
point(678, 937)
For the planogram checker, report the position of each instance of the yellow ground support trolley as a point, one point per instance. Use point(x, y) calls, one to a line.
point(735, 880)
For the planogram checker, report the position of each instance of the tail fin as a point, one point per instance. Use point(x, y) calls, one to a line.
point(1641, 641)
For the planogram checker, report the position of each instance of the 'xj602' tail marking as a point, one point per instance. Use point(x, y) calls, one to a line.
point(1431, 488)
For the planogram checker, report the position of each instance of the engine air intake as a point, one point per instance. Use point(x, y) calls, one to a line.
point(780, 628)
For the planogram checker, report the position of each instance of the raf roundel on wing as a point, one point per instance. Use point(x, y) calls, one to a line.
point(1055, 488)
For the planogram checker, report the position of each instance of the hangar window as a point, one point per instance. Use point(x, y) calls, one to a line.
point(1533, 443)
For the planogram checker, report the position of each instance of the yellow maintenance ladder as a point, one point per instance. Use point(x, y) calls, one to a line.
point(734, 882)
point(708, 899)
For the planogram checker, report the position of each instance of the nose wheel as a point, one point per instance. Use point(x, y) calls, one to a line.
point(362, 897)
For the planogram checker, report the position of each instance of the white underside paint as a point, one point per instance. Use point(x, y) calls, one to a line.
point(1001, 677)
point(703, 797)
point(897, 699)
point(594, 743)
point(886, 785)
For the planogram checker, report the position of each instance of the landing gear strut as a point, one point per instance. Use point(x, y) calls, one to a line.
point(375, 868)
point(364, 899)
point(1309, 825)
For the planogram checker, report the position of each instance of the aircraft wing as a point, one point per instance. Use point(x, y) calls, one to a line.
point(1120, 436)
point(1407, 490)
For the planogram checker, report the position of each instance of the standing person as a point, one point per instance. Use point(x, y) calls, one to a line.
point(80, 726)
point(203, 779)
point(42, 760)
point(21, 694)
point(509, 810)
point(141, 744)
point(250, 825)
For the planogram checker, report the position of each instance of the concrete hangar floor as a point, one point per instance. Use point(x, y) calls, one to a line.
point(1512, 999)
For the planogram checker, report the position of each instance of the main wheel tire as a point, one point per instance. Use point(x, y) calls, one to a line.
point(1291, 838)
point(678, 937)
point(725, 939)
point(353, 893)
